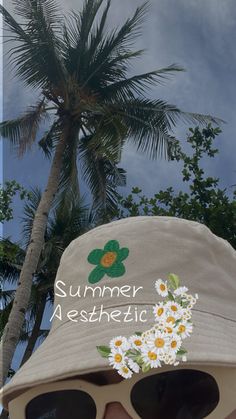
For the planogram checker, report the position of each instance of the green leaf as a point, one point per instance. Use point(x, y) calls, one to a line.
point(138, 333)
point(96, 275)
point(181, 351)
point(95, 256)
point(174, 280)
point(170, 296)
point(146, 368)
point(104, 351)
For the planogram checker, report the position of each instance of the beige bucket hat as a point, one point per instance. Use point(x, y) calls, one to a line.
point(94, 292)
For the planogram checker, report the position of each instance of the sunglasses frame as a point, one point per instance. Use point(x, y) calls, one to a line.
point(120, 392)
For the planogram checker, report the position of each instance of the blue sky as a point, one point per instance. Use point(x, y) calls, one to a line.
point(196, 34)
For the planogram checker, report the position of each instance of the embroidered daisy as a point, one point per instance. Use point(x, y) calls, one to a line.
point(174, 309)
point(169, 329)
point(120, 342)
point(117, 358)
point(161, 287)
point(136, 341)
point(162, 343)
point(175, 343)
point(133, 365)
point(158, 342)
point(125, 372)
point(159, 311)
point(171, 318)
point(180, 291)
point(151, 358)
point(184, 329)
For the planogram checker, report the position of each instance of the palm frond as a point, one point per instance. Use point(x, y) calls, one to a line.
point(136, 85)
point(25, 334)
point(6, 297)
point(11, 260)
point(76, 34)
point(151, 122)
point(129, 31)
point(50, 139)
point(69, 219)
point(22, 131)
point(36, 56)
point(28, 9)
point(102, 176)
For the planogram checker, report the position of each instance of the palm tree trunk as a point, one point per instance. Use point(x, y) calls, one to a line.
point(15, 322)
point(35, 332)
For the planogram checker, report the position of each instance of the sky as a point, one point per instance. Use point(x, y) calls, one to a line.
point(199, 35)
point(196, 34)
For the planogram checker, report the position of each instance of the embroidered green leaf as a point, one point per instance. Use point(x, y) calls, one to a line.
point(182, 351)
point(104, 351)
point(174, 280)
point(146, 367)
point(170, 296)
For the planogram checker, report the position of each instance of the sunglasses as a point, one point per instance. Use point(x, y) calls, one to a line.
point(182, 393)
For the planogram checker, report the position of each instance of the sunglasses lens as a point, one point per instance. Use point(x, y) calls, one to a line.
point(180, 394)
point(73, 404)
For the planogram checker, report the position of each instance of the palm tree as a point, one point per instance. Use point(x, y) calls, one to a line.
point(79, 71)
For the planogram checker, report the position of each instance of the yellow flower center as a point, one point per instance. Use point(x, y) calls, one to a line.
point(118, 358)
point(125, 370)
point(170, 319)
point(160, 311)
point(173, 344)
point(174, 308)
point(162, 287)
point(138, 342)
point(182, 328)
point(108, 259)
point(169, 329)
point(152, 355)
point(159, 342)
point(118, 342)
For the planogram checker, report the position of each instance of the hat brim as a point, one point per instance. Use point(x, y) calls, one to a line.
point(212, 343)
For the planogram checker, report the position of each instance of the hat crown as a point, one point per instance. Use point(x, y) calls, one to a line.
point(129, 255)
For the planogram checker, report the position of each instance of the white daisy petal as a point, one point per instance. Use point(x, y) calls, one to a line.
point(175, 343)
point(125, 372)
point(151, 358)
point(117, 358)
point(161, 287)
point(120, 342)
point(136, 341)
point(180, 291)
point(133, 365)
point(184, 329)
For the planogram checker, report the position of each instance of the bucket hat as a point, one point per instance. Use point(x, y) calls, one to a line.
point(105, 287)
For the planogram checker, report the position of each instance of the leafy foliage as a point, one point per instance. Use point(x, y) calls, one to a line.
point(7, 192)
point(205, 201)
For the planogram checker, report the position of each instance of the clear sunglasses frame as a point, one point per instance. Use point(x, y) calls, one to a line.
point(120, 392)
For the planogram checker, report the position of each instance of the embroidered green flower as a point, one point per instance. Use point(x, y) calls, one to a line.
point(108, 260)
